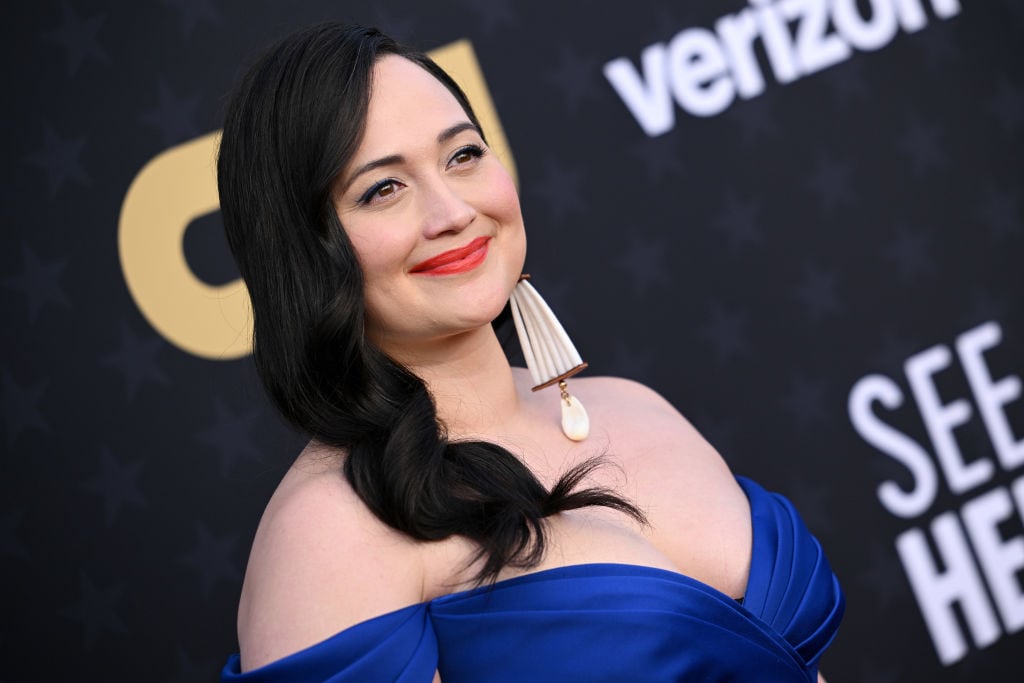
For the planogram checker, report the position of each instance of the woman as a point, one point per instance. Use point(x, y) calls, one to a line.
point(379, 238)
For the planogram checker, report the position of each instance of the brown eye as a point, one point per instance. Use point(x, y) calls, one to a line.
point(465, 155)
point(385, 188)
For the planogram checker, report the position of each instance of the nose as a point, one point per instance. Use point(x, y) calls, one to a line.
point(445, 210)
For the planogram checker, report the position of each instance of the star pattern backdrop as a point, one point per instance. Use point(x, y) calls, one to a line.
point(751, 266)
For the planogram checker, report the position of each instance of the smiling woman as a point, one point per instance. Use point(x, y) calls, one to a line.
point(380, 238)
point(427, 199)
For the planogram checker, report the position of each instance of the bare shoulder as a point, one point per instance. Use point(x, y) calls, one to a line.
point(619, 388)
point(628, 402)
point(700, 517)
point(320, 562)
point(670, 459)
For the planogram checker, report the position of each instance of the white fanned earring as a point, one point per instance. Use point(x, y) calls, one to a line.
point(550, 354)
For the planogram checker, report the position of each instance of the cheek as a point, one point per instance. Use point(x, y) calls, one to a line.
point(506, 198)
point(379, 253)
point(503, 206)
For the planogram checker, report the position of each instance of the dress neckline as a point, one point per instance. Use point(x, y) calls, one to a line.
point(580, 570)
point(595, 568)
point(453, 607)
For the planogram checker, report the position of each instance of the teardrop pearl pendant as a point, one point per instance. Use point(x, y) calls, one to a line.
point(550, 354)
point(575, 421)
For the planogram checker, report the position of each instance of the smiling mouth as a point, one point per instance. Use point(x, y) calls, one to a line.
point(455, 261)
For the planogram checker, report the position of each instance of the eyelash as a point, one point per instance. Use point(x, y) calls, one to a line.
point(368, 196)
point(474, 151)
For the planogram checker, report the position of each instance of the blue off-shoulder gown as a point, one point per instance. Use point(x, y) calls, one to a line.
point(601, 622)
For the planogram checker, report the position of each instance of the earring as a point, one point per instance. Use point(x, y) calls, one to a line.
point(550, 354)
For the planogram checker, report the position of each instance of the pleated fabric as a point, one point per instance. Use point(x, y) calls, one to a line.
point(602, 622)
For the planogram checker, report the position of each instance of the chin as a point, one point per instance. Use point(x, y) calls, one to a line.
point(501, 296)
point(484, 312)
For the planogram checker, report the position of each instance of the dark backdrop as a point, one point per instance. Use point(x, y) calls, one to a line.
point(753, 265)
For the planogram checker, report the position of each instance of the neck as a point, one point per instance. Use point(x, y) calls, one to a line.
point(470, 380)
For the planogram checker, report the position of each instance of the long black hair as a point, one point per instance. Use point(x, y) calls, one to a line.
point(292, 124)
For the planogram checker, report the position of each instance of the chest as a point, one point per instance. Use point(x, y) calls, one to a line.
point(697, 518)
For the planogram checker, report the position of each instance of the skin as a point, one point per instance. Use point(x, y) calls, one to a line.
point(316, 540)
point(439, 196)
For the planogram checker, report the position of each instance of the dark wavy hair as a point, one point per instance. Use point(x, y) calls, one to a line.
point(292, 124)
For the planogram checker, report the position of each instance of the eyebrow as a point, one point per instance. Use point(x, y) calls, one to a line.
point(450, 132)
point(442, 137)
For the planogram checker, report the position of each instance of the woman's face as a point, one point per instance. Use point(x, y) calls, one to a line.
point(432, 214)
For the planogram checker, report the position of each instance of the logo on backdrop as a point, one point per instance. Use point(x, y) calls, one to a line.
point(954, 576)
point(179, 185)
point(703, 71)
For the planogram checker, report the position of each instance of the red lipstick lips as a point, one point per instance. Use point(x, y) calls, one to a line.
point(461, 260)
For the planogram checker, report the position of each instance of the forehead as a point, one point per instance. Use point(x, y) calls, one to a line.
point(406, 102)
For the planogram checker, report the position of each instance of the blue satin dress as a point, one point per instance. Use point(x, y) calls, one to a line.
point(601, 622)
